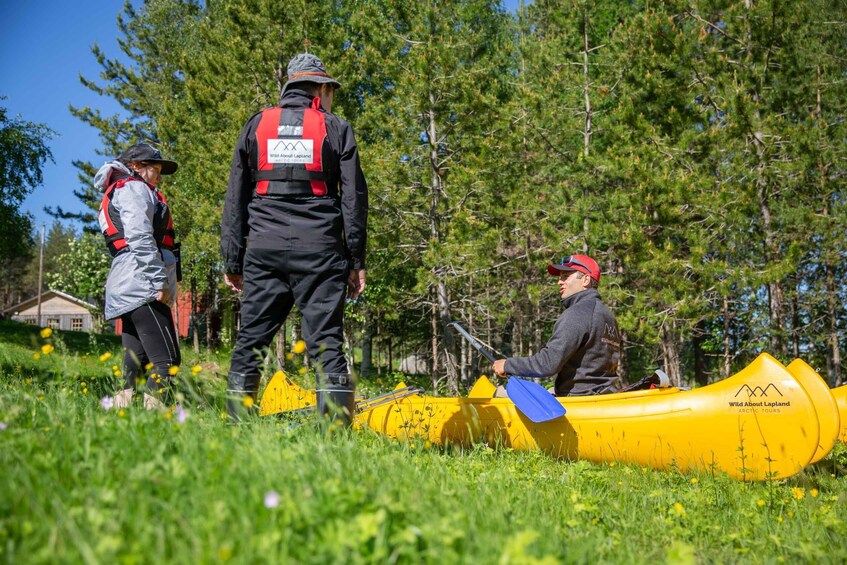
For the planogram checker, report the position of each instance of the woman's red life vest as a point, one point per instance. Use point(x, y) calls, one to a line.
point(289, 145)
point(113, 229)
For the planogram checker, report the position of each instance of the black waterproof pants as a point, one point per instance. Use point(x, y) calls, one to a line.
point(274, 281)
point(149, 337)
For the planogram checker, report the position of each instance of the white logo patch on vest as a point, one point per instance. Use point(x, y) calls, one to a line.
point(291, 151)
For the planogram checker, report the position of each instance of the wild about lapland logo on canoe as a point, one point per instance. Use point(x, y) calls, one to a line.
point(750, 399)
point(758, 391)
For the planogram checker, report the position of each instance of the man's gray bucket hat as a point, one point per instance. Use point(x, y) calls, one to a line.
point(306, 67)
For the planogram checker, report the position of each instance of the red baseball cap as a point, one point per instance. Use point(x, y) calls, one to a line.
point(581, 263)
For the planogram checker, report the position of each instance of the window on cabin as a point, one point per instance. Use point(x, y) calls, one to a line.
point(76, 324)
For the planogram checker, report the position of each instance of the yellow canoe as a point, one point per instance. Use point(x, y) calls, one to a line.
point(840, 395)
point(761, 423)
point(829, 420)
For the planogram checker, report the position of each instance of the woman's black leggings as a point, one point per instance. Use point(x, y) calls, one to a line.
point(149, 338)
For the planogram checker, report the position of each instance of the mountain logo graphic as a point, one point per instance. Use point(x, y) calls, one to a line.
point(291, 145)
point(758, 392)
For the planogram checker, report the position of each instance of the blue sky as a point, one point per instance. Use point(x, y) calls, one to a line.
point(44, 48)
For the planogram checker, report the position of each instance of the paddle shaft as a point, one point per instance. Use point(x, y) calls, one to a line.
point(473, 341)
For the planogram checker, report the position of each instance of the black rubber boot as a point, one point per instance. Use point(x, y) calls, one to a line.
point(336, 398)
point(239, 387)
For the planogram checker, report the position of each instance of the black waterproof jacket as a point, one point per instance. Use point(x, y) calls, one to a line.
point(583, 352)
point(333, 223)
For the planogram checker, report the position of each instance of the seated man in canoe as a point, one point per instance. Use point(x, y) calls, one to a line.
point(584, 350)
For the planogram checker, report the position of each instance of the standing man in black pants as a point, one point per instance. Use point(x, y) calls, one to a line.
point(294, 232)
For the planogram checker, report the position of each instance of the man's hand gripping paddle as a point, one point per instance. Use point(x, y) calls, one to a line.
point(530, 398)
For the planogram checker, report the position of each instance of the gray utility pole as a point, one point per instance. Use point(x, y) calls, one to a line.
point(40, 273)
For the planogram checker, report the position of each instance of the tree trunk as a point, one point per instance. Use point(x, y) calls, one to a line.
point(195, 327)
point(210, 308)
point(586, 132)
point(769, 231)
point(795, 322)
point(367, 343)
point(727, 355)
point(297, 335)
point(447, 337)
point(433, 319)
point(279, 346)
point(834, 365)
point(701, 376)
point(623, 365)
point(670, 355)
point(442, 295)
point(390, 356)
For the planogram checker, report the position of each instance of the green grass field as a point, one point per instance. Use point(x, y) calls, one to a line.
point(79, 483)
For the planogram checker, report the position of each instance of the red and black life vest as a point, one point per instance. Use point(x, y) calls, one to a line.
point(289, 147)
point(113, 229)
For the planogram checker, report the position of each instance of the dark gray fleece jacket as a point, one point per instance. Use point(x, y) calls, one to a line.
point(583, 352)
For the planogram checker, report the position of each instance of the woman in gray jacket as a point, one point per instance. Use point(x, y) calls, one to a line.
point(136, 222)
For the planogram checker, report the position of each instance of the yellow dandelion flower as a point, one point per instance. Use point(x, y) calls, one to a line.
point(114, 367)
point(679, 507)
point(248, 401)
point(303, 370)
point(169, 415)
point(117, 373)
point(790, 513)
point(289, 356)
point(36, 356)
point(798, 492)
point(105, 356)
point(761, 502)
point(814, 492)
point(85, 391)
point(121, 413)
point(779, 519)
point(46, 332)
point(47, 349)
point(83, 384)
point(427, 444)
point(694, 480)
point(85, 357)
point(196, 369)
point(299, 347)
point(173, 370)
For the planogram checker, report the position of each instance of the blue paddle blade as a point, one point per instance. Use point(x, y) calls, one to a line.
point(533, 400)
